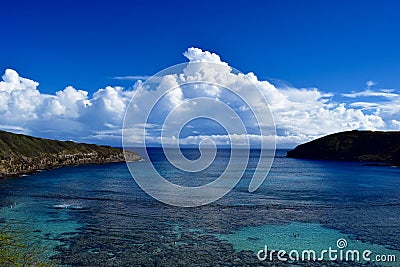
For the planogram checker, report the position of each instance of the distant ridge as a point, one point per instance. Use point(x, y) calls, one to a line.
point(364, 146)
point(22, 154)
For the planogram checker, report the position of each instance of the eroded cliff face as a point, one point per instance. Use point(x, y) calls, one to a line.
point(365, 146)
point(15, 166)
point(21, 154)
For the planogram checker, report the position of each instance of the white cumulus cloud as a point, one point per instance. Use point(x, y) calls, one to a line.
point(300, 114)
point(68, 114)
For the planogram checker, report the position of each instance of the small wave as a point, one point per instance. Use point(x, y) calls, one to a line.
point(62, 206)
point(67, 206)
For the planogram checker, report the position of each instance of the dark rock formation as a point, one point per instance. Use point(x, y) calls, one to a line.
point(365, 146)
point(21, 154)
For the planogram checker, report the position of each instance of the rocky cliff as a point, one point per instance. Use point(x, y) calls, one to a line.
point(21, 154)
point(366, 146)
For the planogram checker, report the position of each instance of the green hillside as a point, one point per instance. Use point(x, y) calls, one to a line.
point(365, 146)
point(21, 154)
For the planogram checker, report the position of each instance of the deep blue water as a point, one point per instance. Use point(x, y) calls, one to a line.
point(96, 215)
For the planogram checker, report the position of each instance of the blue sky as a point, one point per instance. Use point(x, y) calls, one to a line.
point(334, 46)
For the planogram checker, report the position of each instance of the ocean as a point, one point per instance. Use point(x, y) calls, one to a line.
point(96, 215)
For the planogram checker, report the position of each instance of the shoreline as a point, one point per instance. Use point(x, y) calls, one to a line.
point(20, 166)
point(22, 154)
point(23, 174)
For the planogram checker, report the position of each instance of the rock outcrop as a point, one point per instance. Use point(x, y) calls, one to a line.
point(22, 154)
point(364, 146)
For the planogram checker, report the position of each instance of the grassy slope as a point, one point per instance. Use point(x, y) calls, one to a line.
point(353, 145)
point(18, 145)
point(21, 154)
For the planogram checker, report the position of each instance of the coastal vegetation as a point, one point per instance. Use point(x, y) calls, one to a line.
point(363, 146)
point(20, 249)
point(21, 154)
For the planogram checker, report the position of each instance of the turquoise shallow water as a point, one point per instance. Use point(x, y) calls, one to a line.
point(97, 215)
point(50, 228)
point(302, 236)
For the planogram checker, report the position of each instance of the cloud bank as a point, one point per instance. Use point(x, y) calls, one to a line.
point(300, 114)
